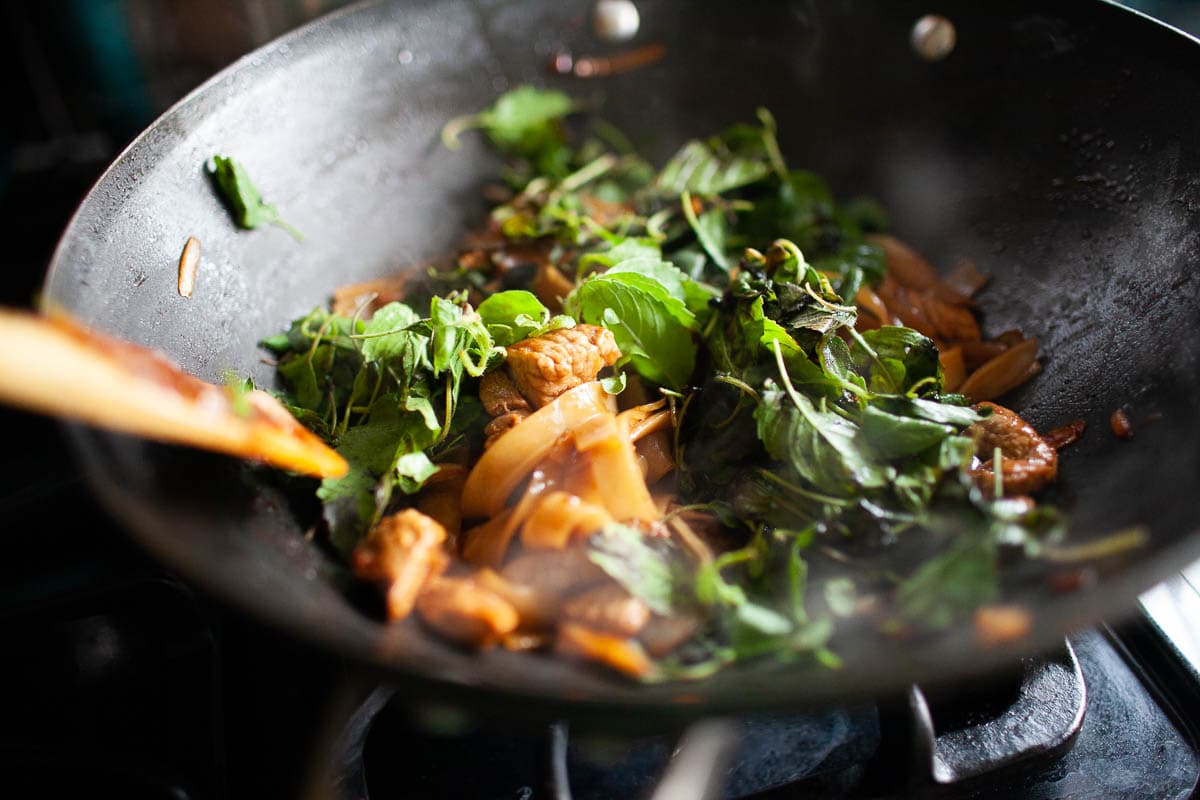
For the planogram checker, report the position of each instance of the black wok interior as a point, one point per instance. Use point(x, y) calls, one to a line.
point(1055, 147)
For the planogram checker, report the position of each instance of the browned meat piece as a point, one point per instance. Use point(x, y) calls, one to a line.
point(462, 610)
point(1028, 461)
point(546, 366)
point(441, 499)
point(663, 634)
point(501, 399)
point(608, 609)
point(502, 425)
point(403, 550)
point(555, 573)
point(499, 396)
point(536, 609)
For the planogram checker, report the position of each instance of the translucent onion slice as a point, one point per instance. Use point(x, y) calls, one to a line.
point(515, 454)
point(615, 468)
point(954, 369)
point(54, 365)
point(623, 655)
point(646, 419)
point(875, 314)
point(557, 518)
point(654, 456)
point(1003, 373)
point(906, 265)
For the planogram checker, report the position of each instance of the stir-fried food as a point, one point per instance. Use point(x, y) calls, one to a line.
point(648, 418)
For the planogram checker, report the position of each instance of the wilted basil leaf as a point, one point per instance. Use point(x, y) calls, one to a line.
point(244, 201)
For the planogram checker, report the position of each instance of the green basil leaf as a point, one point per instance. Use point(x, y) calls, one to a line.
point(821, 446)
point(242, 197)
point(651, 328)
point(895, 436)
point(698, 169)
point(386, 337)
point(412, 470)
point(711, 228)
point(628, 558)
point(513, 315)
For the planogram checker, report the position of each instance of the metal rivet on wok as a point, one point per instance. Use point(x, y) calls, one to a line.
point(615, 20)
point(933, 37)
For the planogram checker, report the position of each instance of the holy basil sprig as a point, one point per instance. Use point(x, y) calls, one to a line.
point(388, 392)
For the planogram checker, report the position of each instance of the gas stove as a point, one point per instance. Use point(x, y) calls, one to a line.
point(124, 681)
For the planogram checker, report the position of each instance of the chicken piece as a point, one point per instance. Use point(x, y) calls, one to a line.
point(608, 609)
point(662, 634)
point(501, 399)
point(545, 366)
point(536, 609)
point(555, 573)
point(1028, 461)
point(403, 550)
point(500, 426)
point(499, 396)
point(441, 499)
point(462, 610)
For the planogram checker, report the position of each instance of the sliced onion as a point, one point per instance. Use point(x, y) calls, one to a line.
point(615, 468)
point(954, 371)
point(645, 418)
point(877, 314)
point(905, 264)
point(966, 278)
point(518, 452)
point(559, 516)
point(1003, 373)
point(654, 452)
point(536, 609)
point(624, 655)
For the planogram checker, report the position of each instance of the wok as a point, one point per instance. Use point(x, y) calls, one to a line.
point(1054, 146)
